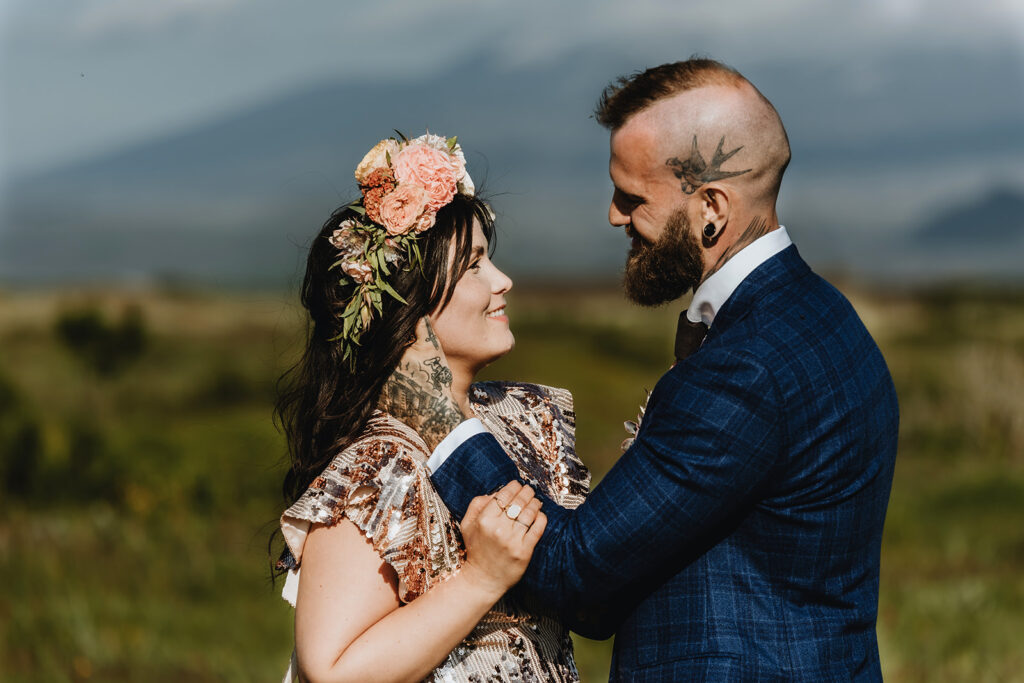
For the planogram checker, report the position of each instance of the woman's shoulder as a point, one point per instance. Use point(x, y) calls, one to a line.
point(384, 467)
point(384, 452)
point(510, 397)
point(536, 426)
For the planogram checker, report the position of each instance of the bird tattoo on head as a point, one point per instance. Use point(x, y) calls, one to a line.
point(695, 171)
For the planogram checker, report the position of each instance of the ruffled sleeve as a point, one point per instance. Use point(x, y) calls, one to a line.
point(536, 425)
point(380, 484)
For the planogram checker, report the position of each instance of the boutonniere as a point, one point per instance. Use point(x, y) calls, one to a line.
point(633, 427)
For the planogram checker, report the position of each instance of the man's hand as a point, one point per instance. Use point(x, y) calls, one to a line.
point(419, 391)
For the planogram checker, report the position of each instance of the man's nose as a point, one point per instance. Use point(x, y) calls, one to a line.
point(615, 216)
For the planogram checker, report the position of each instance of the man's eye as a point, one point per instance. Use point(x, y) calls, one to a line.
point(631, 200)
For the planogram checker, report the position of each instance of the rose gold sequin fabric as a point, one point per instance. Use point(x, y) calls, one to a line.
point(381, 484)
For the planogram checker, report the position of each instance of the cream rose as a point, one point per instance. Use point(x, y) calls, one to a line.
point(465, 185)
point(401, 208)
point(430, 140)
point(376, 158)
point(360, 271)
point(434, 170)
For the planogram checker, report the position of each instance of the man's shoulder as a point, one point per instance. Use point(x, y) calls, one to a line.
point(792, 301)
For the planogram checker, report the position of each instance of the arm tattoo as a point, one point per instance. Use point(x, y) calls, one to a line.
point(694, 171)
point(757, 228)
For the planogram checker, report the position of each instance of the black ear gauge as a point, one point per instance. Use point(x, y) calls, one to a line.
point(710, 230)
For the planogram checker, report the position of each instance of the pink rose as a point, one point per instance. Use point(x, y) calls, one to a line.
point(401, 208)
point(426, 221)
point(436, 171)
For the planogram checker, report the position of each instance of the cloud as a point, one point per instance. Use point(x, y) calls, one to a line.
point(156, 65)
point(101, 19)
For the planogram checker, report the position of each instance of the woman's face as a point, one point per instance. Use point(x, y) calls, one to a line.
point(473, 328)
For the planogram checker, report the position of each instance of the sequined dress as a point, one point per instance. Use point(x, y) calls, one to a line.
point(381, 484)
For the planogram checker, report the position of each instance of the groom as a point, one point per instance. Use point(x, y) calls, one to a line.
point(739, 537)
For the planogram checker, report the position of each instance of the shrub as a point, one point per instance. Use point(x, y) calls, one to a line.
point(105, 347)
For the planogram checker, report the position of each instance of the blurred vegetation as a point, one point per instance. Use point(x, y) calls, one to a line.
point(141, 474)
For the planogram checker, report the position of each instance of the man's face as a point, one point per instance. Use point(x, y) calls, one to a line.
point(646, 192)
point(665, 259)
point(665, 270)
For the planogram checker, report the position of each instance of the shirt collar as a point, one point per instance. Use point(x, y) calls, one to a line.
point(716, 290)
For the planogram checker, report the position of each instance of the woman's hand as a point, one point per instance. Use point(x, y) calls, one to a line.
point(348, 614)
point(501, 531)
point(419, 391)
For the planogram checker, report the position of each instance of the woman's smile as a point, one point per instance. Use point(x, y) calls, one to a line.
point(498, 314)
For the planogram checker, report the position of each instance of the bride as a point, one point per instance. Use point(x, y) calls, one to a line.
point(386, 586)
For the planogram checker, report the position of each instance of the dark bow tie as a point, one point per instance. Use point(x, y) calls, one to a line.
point(689, 337)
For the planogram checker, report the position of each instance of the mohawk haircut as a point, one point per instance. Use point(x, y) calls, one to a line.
point(629, 95)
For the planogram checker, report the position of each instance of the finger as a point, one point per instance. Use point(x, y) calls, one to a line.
point(528, 515)
point(474, 508)
point(507, 493)
point(515, 507)
point(536, 530)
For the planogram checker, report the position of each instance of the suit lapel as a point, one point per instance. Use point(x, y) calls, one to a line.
point(780, 269)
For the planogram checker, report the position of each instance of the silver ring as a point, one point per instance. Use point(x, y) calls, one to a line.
point(512, 511)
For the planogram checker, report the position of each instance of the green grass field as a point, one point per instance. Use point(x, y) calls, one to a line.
point(138, 496)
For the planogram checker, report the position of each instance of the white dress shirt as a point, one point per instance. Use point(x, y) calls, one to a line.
point(707, 301)
point(716, 290)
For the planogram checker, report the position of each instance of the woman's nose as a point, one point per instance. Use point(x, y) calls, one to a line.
point(502, 282)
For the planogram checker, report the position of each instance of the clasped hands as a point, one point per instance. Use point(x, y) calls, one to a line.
point(500, 531)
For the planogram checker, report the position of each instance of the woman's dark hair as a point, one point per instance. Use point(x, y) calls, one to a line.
point(323, 403)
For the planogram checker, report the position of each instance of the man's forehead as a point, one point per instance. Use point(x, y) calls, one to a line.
point(633, 147)
point(636, 158)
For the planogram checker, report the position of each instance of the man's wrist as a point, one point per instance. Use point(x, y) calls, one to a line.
point(458, 436)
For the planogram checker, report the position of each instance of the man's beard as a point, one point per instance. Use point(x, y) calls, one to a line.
point(667, 269)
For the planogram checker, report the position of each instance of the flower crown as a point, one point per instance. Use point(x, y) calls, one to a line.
point(404, 184)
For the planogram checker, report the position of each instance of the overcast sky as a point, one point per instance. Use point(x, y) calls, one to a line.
point(82, 76)
point(897, 110)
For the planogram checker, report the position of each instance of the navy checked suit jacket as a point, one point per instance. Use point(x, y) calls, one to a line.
point(739, 537)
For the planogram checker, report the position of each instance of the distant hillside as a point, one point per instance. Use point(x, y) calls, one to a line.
point(995, 219)
point(235, 200)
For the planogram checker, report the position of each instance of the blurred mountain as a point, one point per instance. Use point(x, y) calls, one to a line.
point(235, 200)
point(997, 218)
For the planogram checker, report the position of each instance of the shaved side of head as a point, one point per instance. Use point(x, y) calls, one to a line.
point(712, 125)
